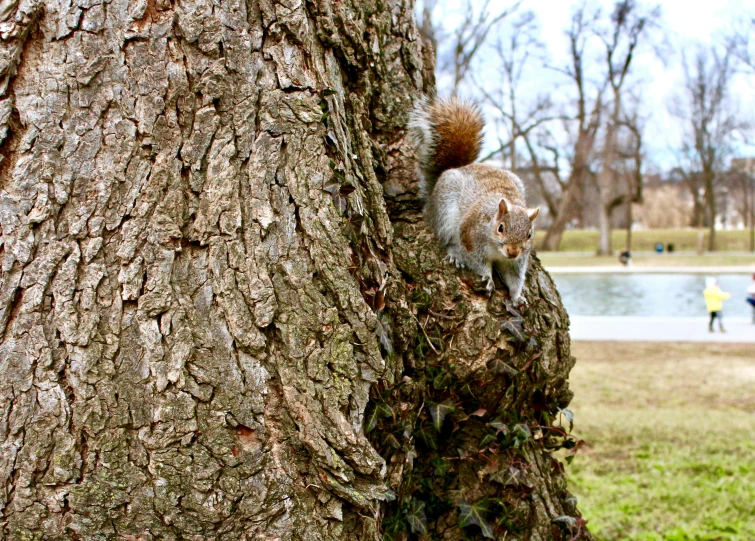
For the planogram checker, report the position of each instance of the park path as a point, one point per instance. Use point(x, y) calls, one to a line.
point(659, 329)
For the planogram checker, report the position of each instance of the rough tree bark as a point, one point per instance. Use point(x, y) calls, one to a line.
point(214, 273)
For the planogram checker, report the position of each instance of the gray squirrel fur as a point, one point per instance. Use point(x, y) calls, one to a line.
point(477, 212)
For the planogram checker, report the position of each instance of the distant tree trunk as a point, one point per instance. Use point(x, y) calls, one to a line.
point(712, 123)
point(628, 26)
point(744, 183)
point(751, 211)
point(604, 231)
point(555, 232)
point(606, 183)
point(698, 211)
point(568, 200)
point(710, 199)
point(588, 121)
point(605, 221)
point(588, 124)
point(221, 315)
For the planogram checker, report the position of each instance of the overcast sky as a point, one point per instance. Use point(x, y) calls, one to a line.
point(684, 24)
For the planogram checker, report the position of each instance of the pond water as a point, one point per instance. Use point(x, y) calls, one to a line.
point(667, 295)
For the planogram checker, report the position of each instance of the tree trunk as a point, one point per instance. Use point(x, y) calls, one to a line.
point(710, 198)
point(606, 178)
point(555, 232)
point(221, 315)
point(582, 149)
point(604, 227)
point(752, 221)
point(630, 219)
point(750, 213)
point(698, 213)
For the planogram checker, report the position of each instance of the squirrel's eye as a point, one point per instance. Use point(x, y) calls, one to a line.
point(500, 228)
point(529, 235)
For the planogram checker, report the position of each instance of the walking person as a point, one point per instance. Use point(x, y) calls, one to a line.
point(751, 297)
point(714, 298)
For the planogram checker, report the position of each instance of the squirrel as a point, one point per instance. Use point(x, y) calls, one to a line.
point(477, 211)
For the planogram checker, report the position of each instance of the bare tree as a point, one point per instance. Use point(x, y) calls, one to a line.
point(711, 124)
point(525, 122)
point(693, 180)
point(222, 316)
point(629, 170)
point(629, 24)
point(587, 120)
point(469, 38)
point(741, 42)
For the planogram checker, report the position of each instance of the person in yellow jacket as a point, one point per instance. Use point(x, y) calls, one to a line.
point(714, 298)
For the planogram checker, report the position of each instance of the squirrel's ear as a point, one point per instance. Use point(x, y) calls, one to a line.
point(532, 213)
point(503, 209)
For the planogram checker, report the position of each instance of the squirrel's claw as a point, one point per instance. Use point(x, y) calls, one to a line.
point(520, 303)
point(455, 260)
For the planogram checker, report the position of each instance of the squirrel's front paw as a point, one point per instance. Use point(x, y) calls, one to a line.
point(489, 284)
point(520, 303)
point(455, 260)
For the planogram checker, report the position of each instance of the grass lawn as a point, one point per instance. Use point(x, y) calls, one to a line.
point(557, 259)
point(670, 446)
point(579, 240)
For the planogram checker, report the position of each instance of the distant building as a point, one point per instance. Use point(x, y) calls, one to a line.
point(743, 165)
point(665, 205)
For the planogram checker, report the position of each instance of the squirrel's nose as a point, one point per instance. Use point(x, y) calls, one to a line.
point(512, 253)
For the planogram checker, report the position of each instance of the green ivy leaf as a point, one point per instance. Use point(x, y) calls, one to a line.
point(521, 433)
point(381, 409)
point(498, 367)
point(371, 420)
point(510, 477)
point(487, 439)
point(391, 441)
point(393, 527)
point(421, 349)
point(499, 425)
point(474, 514)
point(509, 306)
point(467, 390)
point(384, 410)
point(438, 412)
point(416, 517)
point(565, 520)
point(569, 443)
point(441, 466)
point(442, 381)
point(427, 436)
point(515, 327)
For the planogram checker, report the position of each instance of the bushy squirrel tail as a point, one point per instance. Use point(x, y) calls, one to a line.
point(447, 134)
